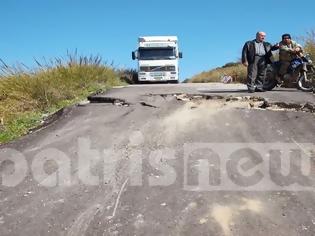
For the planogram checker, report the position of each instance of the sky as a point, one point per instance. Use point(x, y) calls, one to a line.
point(210, 33)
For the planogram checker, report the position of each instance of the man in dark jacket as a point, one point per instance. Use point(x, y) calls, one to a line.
point(256, 55)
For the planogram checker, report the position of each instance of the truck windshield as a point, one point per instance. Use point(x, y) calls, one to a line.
point(156, 53)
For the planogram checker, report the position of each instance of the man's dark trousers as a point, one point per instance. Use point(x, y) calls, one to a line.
point(256, 73)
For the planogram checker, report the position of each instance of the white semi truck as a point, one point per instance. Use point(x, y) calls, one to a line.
point(158, 58)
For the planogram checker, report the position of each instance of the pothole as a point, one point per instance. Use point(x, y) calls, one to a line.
point(112, 100)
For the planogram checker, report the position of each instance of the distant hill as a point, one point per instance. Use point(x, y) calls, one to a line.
point(234, 69)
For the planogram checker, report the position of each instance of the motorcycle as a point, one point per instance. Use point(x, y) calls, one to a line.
point(301, 72)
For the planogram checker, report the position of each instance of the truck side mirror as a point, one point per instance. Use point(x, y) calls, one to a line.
point(180, 55)
point(133, 55)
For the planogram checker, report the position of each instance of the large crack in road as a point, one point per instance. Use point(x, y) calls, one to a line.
point(250, 102)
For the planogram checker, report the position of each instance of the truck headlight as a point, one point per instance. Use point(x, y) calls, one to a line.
point(171, 68)
point(144, 68)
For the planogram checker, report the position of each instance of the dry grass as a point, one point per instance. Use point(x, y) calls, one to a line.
point(309, 42)
point(25, 95)
point(129, 76)
point(235, 70)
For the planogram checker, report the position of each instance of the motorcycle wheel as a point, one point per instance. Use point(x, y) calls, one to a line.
point(270, 81)
point(304, 82)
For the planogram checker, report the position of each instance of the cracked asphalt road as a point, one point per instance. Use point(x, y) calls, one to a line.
point(138, 160)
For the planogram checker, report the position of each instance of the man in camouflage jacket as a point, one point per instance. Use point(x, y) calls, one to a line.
point(288, 50)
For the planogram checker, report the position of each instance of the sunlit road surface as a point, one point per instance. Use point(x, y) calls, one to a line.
point(187, 159)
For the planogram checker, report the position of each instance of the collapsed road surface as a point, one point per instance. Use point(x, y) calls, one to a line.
point(187, 159)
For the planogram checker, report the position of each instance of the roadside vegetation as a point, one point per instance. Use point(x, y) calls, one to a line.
point(27, 96)
point(129, 76)
point(238, 72)
point(234, 69)
point(309, 44)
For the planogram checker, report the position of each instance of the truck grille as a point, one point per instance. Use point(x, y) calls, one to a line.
point(157, 68)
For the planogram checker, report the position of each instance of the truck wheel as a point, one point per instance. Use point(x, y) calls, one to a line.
point(174, 81)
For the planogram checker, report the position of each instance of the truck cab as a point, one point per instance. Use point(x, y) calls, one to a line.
point(158, 58)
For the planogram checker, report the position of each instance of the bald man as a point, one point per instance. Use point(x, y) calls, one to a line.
point(256, 55)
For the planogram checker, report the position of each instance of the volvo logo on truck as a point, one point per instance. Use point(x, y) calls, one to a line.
point(158, 58)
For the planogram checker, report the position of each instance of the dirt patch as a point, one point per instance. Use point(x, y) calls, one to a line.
point(208, 110)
